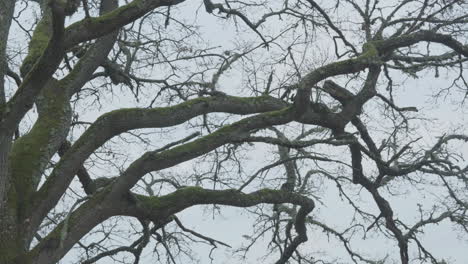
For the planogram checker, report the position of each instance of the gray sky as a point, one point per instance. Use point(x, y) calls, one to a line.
point(231, 225)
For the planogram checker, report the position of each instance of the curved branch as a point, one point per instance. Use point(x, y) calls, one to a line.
point(369, 57)
point(119, 121)
point(423, 35)
point(189, 196)
point(91, 28)
point(52, 126)
point(35, 80)
point(154, 161)
point(159, 209)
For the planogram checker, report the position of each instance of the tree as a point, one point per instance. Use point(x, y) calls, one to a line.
point(322, 116)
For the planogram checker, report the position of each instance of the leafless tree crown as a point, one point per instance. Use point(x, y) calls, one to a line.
point(325, 121)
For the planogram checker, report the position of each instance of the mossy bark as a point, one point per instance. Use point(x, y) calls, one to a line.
point(30, 154)
point(28, 159)
point(9, 244)
point(38, 42)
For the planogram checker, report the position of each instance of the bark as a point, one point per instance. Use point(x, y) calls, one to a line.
point(45, 54)
point(92, 28)
point(8, 225)
point(117, 122)
point(7, 8)
point(38, 146)
point(23, 163)
point(159, 209)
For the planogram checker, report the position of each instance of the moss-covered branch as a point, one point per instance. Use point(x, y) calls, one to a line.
point(45, 60)
point(153, 161)
point(157, 208)
point(391, 44)
point(119, 121)
point(39, 41)
point(369, 56)
point(38, 146)
point(167, 205)
point(77, 224)
point(91, 28)
point(94, 57)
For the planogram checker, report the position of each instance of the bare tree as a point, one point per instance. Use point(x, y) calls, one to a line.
point(317, 99)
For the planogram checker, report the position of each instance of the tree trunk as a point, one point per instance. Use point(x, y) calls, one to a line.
point(7, 8)
point(10, 245)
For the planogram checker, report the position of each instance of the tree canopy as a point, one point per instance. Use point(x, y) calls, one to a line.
point(116, 116)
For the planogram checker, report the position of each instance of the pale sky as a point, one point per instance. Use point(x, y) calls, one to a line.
point(232, 224)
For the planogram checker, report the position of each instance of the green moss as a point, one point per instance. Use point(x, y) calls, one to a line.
point(188, 105)
point(11, 253)
point(171, 200)
point(368, 56)
point(130, 112)
point(116, 13)
point(25, 159)
point(30, 153)
point(38, 43)
point(222, 135)
point(108, 18)
point(369, 51)
point(12, 249)
point(166, 205)
point(267, 192)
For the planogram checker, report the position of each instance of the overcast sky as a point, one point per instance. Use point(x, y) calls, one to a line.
point(233, 226)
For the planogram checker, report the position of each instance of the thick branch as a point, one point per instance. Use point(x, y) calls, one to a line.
point(423, 35)
point(7, 8)
point(42, 142)
point(91, 28)
point(159, 209)
point(116, 122)
point(175, 202)
point(154, 161)
point(366, 59)
point(94, 56)
point(38, 76)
